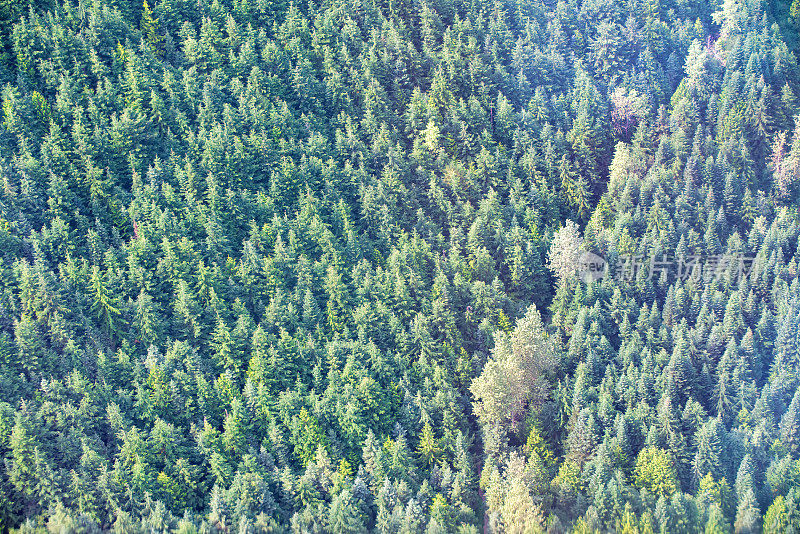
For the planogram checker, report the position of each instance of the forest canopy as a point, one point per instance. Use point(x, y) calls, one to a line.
point(399, 266)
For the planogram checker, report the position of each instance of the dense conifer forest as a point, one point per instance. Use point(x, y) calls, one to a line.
point(328, 266)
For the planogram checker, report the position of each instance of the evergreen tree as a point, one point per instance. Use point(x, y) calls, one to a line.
point(790, 425)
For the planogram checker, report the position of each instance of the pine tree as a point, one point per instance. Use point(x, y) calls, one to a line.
point(708, 459)
point(716, 522)
point(226, 354)
point(104, 305)
point(30, 348)
point(748, 516)
point(235, 435)
point(22, 445)
point(151, 30)
point(428, 447)
point(790, 426)
point(343, 516)
point(146, 321)
point(680, 371)
point(776, 519)
point(311, 312)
